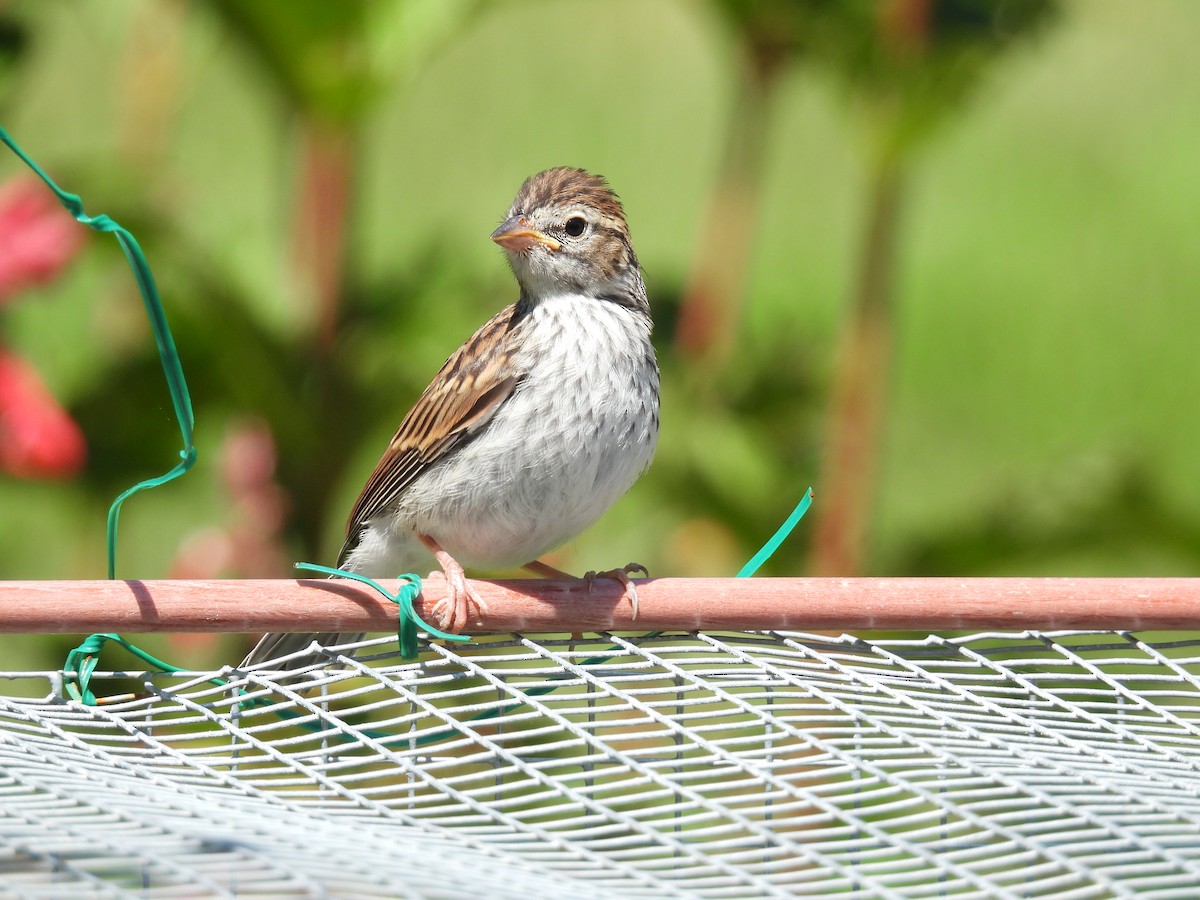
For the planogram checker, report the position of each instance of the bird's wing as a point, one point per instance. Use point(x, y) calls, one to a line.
point(464, 395)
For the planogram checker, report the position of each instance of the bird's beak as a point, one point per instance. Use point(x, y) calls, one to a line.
point(516, 234)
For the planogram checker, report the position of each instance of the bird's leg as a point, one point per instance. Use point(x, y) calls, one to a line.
point(622, 575)
point(461, 595)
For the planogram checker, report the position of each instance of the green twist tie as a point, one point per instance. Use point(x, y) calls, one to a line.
point(409, 621)
point(162, 337)
point(82, 661)
point(769, 548)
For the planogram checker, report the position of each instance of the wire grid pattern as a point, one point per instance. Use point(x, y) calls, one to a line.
point(677, 765)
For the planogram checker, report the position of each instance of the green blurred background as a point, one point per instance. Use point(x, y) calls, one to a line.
point(936, 258)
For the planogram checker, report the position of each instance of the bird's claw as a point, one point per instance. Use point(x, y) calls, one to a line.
point(622, 575)
point(460, 597)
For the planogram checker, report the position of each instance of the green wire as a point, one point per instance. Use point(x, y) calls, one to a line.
point(81, 662)
point(769, 548)
point(162, 337)
point(406, 633)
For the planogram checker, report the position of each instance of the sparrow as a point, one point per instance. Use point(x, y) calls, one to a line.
point(533, 428)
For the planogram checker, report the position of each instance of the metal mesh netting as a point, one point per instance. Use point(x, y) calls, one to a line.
point(680, 765)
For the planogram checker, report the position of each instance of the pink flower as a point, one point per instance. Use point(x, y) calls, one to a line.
point(37, 437)
point(37, 237)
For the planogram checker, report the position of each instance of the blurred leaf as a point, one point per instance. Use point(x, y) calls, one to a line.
point(13, 42)
point(13, 39)
point(333, 59)
point(914, 61)
point(314, 50)
point(405, 35)
point(773, 30)
point(1104, 517)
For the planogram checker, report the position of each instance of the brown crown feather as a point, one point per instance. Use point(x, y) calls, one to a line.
point(564, 185)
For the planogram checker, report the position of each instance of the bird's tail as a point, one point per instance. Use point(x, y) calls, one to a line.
point(275, 644)
point(278, 644)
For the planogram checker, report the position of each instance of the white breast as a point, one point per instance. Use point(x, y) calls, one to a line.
point(573, 438)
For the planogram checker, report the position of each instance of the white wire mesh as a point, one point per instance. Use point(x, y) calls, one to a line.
point(746, 765)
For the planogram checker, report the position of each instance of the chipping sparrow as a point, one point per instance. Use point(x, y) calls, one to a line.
point(534, 426)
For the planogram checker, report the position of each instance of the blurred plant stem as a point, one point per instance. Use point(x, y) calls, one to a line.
point(330, 63)
point(854, 427)
point(324, 194)
point(910, 64)
point(710, 310)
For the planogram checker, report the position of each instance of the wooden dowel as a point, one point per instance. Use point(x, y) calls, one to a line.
point(713, 604)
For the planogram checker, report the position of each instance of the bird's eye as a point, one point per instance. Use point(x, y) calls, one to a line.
point(576, 225)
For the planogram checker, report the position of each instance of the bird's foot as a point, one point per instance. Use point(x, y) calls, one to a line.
point(622, 575)
point(455, 608)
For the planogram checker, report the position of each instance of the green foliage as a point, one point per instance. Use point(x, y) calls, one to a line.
point(334, 59)
point(775, 30)
point(916, 61)
point(13, 39)
point(910, 61)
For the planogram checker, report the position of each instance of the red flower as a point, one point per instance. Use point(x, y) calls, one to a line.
point(37, 237)
point(37, 437)
point(37, 240)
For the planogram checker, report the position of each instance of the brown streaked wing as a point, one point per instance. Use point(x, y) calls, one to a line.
point(466, 392)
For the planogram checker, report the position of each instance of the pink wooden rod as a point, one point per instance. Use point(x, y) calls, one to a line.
point(713, 604)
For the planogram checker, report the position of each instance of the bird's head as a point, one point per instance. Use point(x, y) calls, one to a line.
point(566, 233)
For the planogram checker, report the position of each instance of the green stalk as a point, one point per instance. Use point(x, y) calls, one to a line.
point(854, 430)
point(710, 312)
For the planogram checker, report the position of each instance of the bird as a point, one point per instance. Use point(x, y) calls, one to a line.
point(533, 428)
